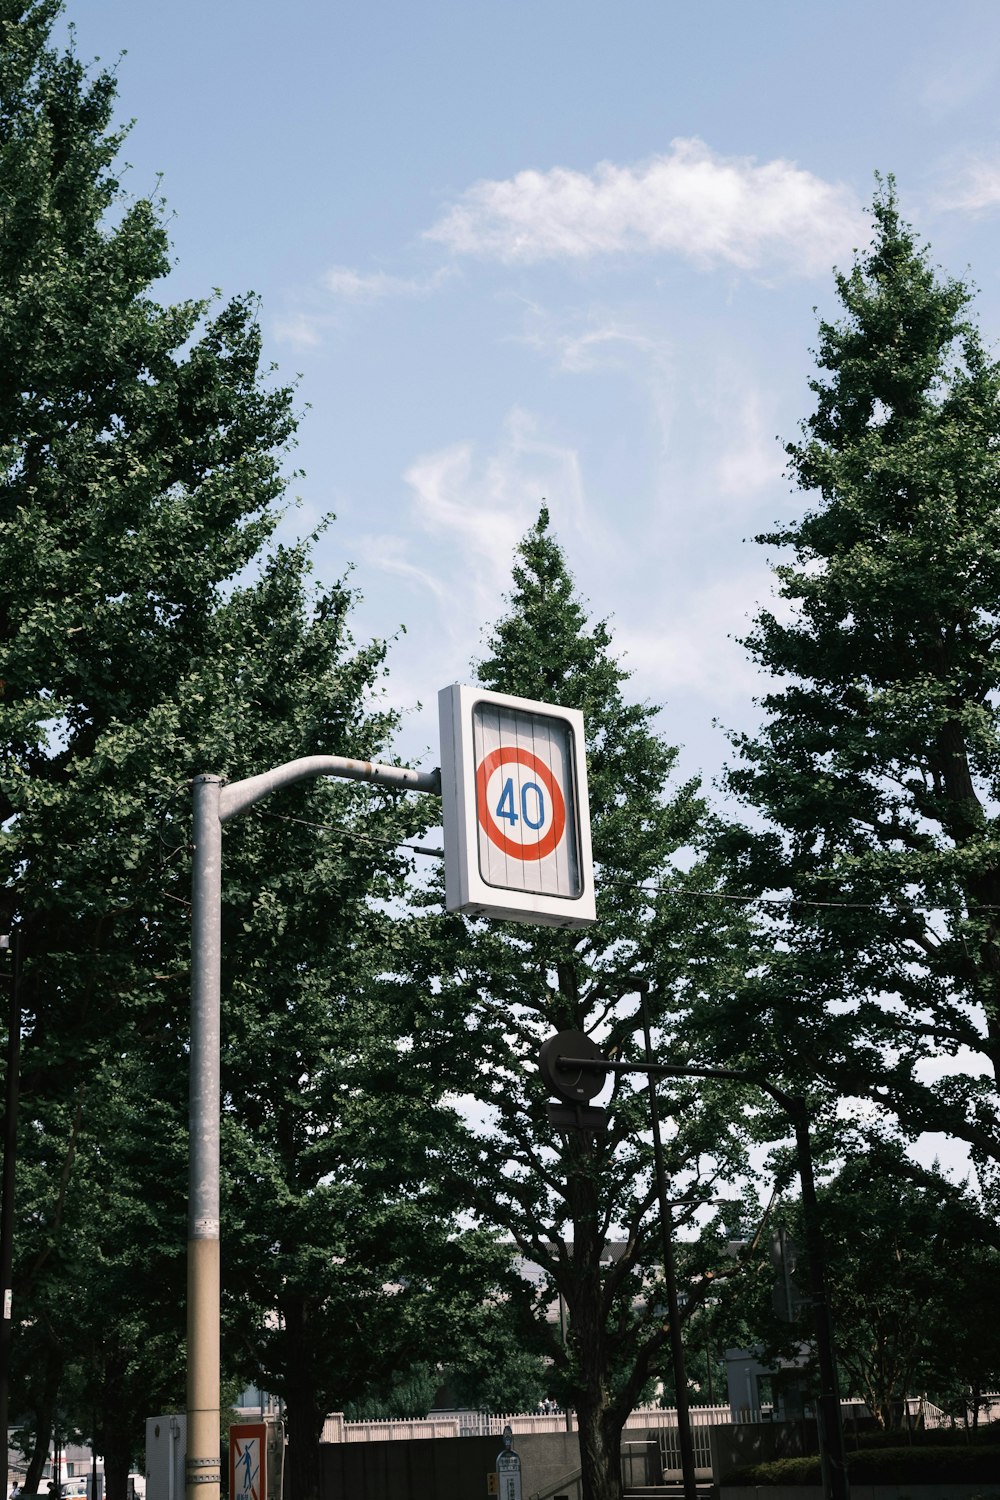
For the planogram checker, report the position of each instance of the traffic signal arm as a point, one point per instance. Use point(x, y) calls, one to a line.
point(600, 1066)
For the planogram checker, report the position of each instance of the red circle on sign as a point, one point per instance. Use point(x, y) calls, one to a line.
point(550, 840)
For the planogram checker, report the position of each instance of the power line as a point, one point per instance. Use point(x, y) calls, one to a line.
point(352, 833)
point(648, 889)
point(778, 901)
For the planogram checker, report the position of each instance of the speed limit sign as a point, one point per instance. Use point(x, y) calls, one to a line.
point(511, 778)
point(516, 821)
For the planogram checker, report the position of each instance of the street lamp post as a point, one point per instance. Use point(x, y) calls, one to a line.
point(215, 803)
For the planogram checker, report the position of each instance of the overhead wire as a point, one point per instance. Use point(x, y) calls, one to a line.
point(783, 902)
point(352, 833)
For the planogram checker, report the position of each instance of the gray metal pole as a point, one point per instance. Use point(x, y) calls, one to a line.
point(202, 1467)
point(214, 804)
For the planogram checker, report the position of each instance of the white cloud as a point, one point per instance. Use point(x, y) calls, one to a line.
point(481, 516)
point(695, 647)
point(599, 347)
point(389, 554)
point(298, 329)
point(601, 342)
point(468, 513)
point(372, 286)
point(604, 346)
point(753, 460)
point(480, 508)
point(973, 187)
point(690, 202)
point(308, 326)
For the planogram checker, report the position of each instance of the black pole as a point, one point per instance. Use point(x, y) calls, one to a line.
point(93, 1459)
point(670, 1278)
point(831, 1431)
point(7, 1205)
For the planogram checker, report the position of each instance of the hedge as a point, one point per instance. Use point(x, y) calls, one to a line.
point(921, 1465)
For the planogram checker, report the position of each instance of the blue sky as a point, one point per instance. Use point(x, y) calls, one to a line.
point(557, 250)
point(570, 251)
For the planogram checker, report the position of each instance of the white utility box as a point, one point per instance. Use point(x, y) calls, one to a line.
point(166, 1450)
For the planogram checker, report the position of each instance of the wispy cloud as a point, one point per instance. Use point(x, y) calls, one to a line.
point(709, 209)
point(603, 341)
point(480, 515)
point(480, 507)
point(372, 286)
point(973, 186)
point(695, 646)
point(301, 330)
point(600, 346)
point(321, 308)
point(474, 508)
point(753, 459)
point(388, 553)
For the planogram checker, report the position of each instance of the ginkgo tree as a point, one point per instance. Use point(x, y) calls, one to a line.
point(151, 629)
point(582, 1207)
point(873, 784)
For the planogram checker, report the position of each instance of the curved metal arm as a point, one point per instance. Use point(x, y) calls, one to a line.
point(239, 795)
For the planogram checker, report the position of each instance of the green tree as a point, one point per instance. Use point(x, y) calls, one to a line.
point(140, 459)
point(493, 992)
point(913, 1272)
point(875, 778)
point(146, 635)
point(103, 1275)
point(493, 1369)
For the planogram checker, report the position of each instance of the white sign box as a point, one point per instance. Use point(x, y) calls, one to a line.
point(516, 816)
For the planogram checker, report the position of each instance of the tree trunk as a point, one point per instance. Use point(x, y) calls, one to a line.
point(600, 1453)
point(116, 1438)
point(600, 1424)
point(303, 1418)
point(45, 1413)
point(116, 1472)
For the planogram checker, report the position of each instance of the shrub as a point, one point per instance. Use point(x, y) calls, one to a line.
point(924, 1437)
point(910, 1465)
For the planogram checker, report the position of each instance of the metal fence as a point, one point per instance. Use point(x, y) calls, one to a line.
point(703, 1418)
point(492, 1424)
point(659, 1423)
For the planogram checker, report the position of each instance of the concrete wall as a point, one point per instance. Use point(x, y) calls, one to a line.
point(759, 1442)
point(441, 1468)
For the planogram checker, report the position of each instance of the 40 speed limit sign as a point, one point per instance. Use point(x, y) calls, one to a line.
point(516, 819)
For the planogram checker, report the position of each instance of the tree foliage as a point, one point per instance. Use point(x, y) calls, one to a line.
point(874, 780)
point(151, 630)
point(913, 1277)
point(140, 460)
point(493, 992)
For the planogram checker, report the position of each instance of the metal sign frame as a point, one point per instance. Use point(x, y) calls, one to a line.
point(515, 809)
